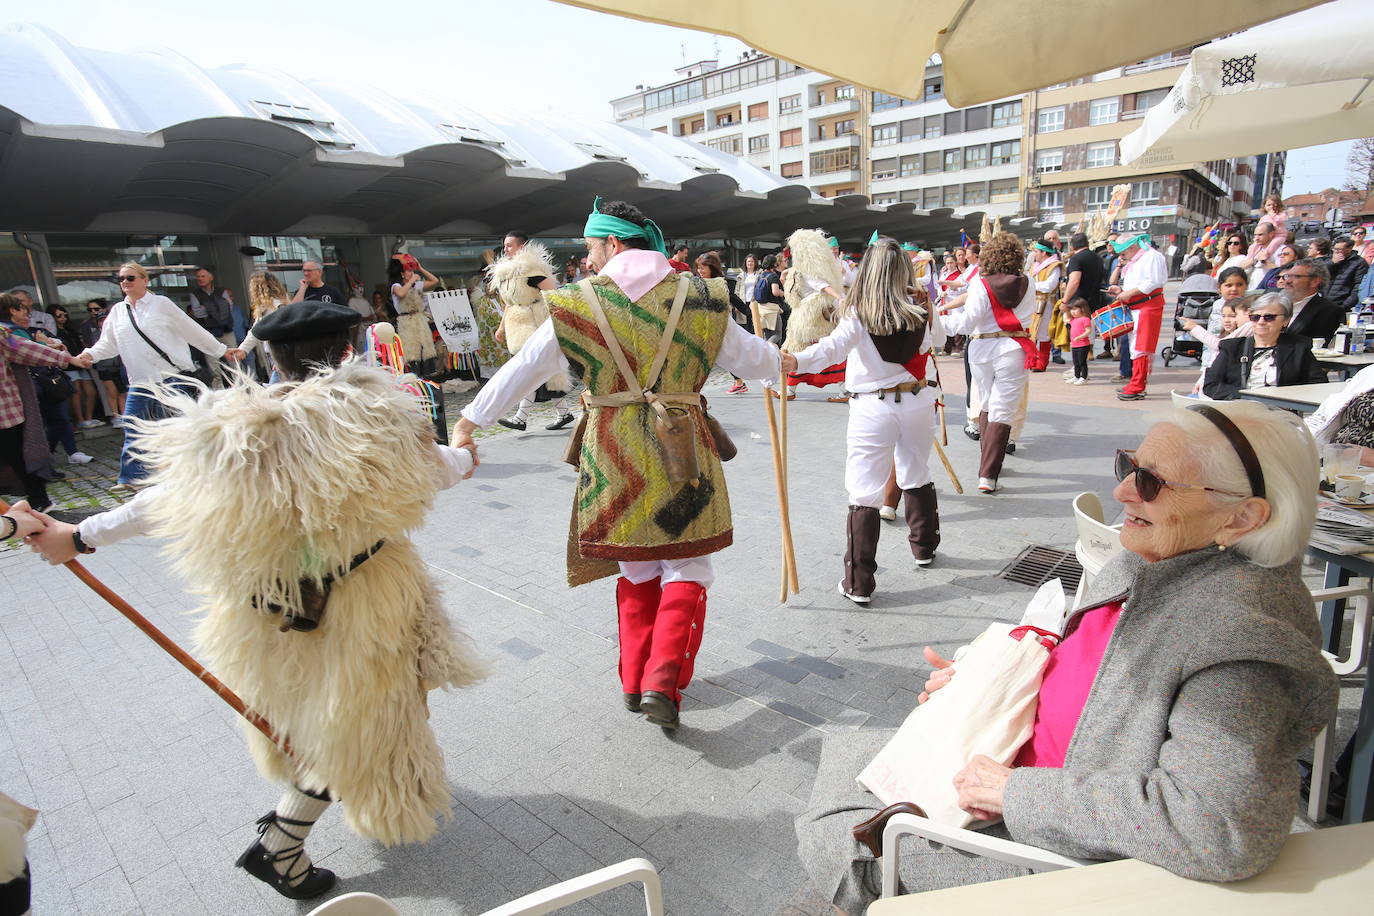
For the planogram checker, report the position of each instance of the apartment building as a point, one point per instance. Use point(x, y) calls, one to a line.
point(926, 153)
point(796, 123)
point(1071, 157)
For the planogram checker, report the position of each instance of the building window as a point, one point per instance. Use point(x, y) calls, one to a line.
point(844, 94)
point(912, 196)
point(912, 129)
point(832, 160)
point(788, 138)
point(1008, 152)
point(1097, 197)
point(672, 96)
point(1141, 102)
point(884, 169)
point(697, 126)
point(725, 120)
point(953, 160)
point(1051, 200)
point(884, 134)
point(734, 79)
point(1003, 190)
point(1049, 120)
point(1104, 111)
point(884, 102)
point(1049, 160)
point(845, 192)
point(1146, 193)
point(911, 165)
point(789, 103)
point(930, 198)
point(884, 200)
point(976, 118)
point(932, 162)
point(934, 124)
point(758, 144)
point(1101, 155)
point(734, 145)
point(954, 122)
point(975, 193)
point(952, 196)
point(844, 127)
point(933, 89)
point(758, 112)
point(791, 170)
point(975, 157)
point(820, 132)
point(1007, 114)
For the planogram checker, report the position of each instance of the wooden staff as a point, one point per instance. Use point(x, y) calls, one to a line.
point(172, 649)
point(949, 468)
point(779, 471)
point(940, 403)
point(789, 552)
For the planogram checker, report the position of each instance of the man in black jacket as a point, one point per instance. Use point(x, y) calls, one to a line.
point(1347, 272)
point(1314, 315)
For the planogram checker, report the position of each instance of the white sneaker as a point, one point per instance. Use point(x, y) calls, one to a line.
point(987, 485)
point(1070, 380)
point(888, 513)
point(857, 599)
point(117, 422)
point(89, 424)
point(1068, 373)
point(925, 562)
point(1080, 381)
point(79, 458)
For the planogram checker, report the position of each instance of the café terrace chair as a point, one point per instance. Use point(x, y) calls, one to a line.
point(548, 900)
point(1359, 600)
point(1097, 542)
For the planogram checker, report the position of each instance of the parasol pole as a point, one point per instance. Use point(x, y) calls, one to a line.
point(171, 648)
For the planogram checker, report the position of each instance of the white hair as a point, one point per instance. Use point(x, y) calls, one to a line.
point(1288, 460)
point(1275, 298)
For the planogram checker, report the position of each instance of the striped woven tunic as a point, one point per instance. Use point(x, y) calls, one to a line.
point(625, 508)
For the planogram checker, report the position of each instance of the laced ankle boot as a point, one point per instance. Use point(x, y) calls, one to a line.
point(278, 858)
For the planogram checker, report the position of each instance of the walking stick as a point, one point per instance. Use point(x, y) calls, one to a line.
point(779, 472)
point(949, 468)
point(789, 585)
point(172, 649)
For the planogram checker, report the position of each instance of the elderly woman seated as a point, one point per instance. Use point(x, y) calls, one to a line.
point(1269, 359)
point(1172, 712)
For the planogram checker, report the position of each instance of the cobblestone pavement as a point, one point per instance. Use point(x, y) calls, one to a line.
point(147, 794)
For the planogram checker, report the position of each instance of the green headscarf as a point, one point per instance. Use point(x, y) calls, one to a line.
point(873, 239)
point(1045, 248)
point(1142, 239)
point(833, 242)
point(907, 246)
point(603, 225)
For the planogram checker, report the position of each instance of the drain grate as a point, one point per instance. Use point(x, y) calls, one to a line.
point(1038, 564)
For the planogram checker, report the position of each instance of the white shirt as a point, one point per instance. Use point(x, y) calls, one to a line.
point(864, 369)
point(168, 326)
point(1147, 273)
point(975, 317)
point(741, 354)
point(1297, 307)
point(131, 519)
point(43, 321)
point(1046, 278)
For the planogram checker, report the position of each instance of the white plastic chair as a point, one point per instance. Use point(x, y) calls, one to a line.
point(564, 893)
point(1009, 851)
point(1182, 400)
point(1097, 542)
point(1358, 596)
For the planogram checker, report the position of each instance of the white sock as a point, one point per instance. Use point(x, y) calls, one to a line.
point(285, 837)
point(523, 410)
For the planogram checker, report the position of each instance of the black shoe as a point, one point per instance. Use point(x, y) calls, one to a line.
point(1058, 360)
point(972, 434)
point(658, 709)
point(560, 422)
point(1138, 396)
point(631, 701)
point(518, 425)
point(1011, 448)
point(257, 861)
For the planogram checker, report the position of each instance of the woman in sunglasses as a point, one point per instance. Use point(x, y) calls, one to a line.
point(1269, 359)
point(1172, 711)
point(1233, 253)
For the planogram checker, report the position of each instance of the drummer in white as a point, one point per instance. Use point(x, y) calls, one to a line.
point(1142, 291)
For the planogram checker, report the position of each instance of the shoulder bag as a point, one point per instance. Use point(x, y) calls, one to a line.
point(200, 373)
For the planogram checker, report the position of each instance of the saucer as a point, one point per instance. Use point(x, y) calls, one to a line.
point(1362, 501)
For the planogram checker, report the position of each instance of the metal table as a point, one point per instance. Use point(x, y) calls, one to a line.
point(1346, 365)
point(1302, 398)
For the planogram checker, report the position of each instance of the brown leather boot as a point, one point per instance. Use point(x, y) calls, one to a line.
point(923, 520)
point(861, 554)
point(994, 443)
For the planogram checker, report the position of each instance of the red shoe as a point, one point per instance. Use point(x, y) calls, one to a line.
point(738, 388)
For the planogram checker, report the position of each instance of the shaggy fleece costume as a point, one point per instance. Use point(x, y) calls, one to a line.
point(349, 695)
point(813, 314)
point(525, 308)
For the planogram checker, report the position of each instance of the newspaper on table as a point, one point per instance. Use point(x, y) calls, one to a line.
point(1340, 529)
point(988, 707)
point(452, 313)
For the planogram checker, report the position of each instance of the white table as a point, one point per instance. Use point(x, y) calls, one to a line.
point(1305, 398)
point(1328, 871)
point(1347, 364)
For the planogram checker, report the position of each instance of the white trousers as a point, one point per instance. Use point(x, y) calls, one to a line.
point(881, 430)
point(1000, 381)
point(687, 569)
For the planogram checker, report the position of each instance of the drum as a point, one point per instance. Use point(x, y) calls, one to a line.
point(1112, 322)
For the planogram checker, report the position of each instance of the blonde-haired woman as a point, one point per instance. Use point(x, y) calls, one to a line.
point(885, 335)
point(1000, 301)
point(265, 294)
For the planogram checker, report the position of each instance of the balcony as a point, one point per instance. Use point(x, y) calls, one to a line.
point(843, 106)
point(843, 141)
point(844, 176)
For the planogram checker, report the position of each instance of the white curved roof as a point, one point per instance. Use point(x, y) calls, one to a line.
point(209, 149)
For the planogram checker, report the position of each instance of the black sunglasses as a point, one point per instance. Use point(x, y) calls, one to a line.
point(1148, 483)
point(128, 278)
point(1266, 316)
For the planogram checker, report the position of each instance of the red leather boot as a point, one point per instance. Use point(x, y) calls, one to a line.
point(637, 606)
point(673, 653)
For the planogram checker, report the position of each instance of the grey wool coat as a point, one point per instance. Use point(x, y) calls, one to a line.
point(1184, 755)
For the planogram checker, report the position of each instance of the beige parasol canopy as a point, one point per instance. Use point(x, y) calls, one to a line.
point(990, 48)
point(1298, 81)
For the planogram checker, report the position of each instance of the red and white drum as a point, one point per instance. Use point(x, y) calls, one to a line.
point(1112, 322)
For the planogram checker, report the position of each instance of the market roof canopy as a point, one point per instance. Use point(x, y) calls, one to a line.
point(1299, 81)
point(98, 141)
point(990, 48)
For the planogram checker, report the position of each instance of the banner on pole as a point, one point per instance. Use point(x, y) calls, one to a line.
point(453, 317)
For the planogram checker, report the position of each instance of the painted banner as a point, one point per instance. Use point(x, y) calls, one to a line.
point(452, 313)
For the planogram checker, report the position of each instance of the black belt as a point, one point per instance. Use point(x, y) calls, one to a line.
point(314, 597)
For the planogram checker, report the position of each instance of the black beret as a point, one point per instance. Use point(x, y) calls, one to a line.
point(311, 318)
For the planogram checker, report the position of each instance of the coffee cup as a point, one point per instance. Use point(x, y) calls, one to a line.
point(1349, 487)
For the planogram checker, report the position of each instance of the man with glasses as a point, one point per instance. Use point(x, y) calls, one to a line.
point(313, 285)
point(1347, 273)
point(1314, 315)
point(1362, 248)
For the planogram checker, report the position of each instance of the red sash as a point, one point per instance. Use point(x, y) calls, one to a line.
point(1007, 321)
point(917, 365)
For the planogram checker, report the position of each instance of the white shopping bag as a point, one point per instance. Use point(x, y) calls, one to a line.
point(452, 313)
point(988, 707)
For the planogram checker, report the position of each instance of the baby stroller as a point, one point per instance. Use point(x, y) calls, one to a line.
point(1198, 307)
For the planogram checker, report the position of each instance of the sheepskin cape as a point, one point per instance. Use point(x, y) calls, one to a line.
point(524, 308)
point(263, 487)
point(813, 314)
point(412, 326)
point(625, 507)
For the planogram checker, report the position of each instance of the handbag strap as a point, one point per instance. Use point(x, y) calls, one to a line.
point(129, 310)
point(613, 344)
